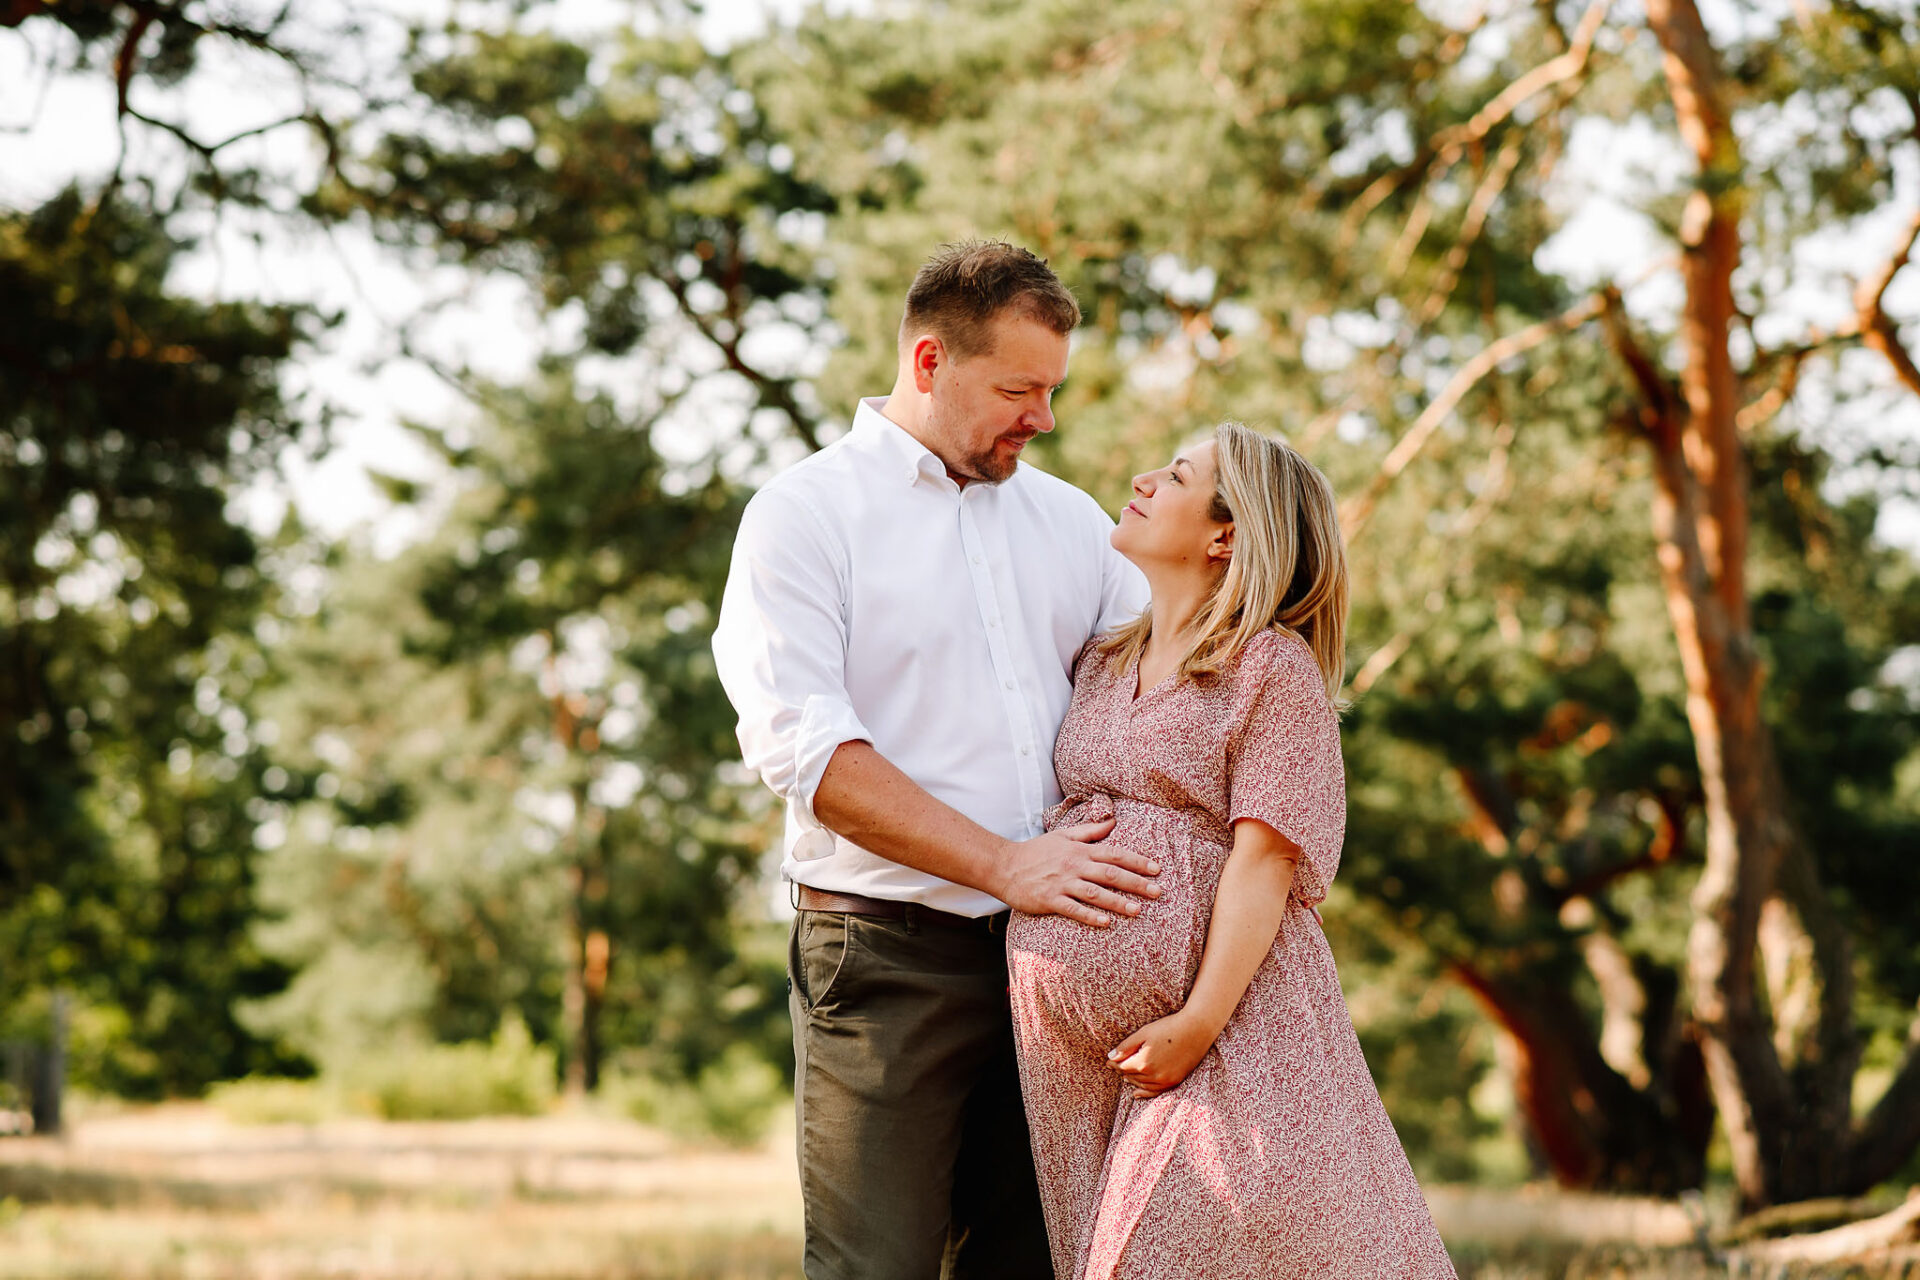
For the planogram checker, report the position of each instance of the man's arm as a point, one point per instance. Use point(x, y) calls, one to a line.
point(866, 798)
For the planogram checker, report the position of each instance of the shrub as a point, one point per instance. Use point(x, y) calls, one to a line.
point(732, 1100)
point(511, 1075)
point(272, 1100)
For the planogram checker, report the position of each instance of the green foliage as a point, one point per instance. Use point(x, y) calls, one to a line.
point(276, 1100)
point(509, 739)
point(126, 594)
point(733, 1099)
point(507, 1076)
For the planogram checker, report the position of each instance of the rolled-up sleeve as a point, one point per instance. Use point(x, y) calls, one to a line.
point(781, 650)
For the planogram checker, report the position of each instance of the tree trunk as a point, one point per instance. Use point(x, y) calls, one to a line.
point(575, 1018)
point(586, 950)
point(1594, 1128)
point(589, 950)
point(1779, 1125)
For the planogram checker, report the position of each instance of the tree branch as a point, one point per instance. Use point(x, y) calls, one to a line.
point(1669, 842)
point(1358, 511)
point(1555, 71)
point(1855, 1240)
point(1818, 1037)
point(1873, 322)
point(1761, 410)
point(1492, 183)
point(1710, 236)
point(1883, 1140)
point(1447, 146)
point(779, 392)
point(1658, 403)
point(1493, 488)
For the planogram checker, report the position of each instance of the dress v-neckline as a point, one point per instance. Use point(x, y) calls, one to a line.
point(1133, 679)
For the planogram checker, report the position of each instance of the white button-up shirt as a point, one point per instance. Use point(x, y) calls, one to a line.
point(872, 599)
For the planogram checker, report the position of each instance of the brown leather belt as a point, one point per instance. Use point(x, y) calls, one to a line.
point(808, 898)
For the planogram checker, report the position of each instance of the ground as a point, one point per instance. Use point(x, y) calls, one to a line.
point(179, 1192)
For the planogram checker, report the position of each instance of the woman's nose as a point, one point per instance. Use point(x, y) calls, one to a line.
point(1143, 484)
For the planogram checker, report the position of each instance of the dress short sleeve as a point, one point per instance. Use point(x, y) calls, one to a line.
point(1283, 758)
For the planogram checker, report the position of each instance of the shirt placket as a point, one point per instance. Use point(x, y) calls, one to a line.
point(1026, 745)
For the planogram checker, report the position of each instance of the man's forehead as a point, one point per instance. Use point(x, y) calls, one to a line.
point(1025, 352)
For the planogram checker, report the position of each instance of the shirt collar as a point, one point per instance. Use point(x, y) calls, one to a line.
point(901, 455)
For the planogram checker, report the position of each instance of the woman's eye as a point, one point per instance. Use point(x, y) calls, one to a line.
point(1174, 476)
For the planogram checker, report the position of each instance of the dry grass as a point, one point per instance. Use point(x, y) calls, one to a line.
point(180, 1193)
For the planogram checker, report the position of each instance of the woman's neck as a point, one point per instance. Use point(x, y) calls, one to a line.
point(1178, 598)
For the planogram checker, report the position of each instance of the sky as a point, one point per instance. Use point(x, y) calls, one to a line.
point(53, 131)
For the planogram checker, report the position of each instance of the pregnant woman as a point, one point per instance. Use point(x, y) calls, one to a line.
point(1198, 1100)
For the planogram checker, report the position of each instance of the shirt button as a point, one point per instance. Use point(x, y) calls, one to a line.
point(979, 560)
point(1026, 751)
point(1009, 684)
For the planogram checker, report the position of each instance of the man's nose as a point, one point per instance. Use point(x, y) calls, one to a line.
point(1040, 419)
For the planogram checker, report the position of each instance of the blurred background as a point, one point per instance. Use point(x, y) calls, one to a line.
point(380, 384)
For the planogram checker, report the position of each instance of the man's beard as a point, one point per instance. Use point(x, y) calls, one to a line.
point(984, 466)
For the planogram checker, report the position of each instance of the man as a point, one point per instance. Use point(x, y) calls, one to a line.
point(899, 626)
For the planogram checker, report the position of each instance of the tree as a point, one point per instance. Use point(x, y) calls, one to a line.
point(127, 604)
point(626, 209)
point(129, 413)
point(512, 744)
point(649, 203)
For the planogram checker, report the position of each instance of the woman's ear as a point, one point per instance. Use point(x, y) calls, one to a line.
point(1221, 548)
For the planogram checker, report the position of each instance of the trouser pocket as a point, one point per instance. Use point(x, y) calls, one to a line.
point(817, 955)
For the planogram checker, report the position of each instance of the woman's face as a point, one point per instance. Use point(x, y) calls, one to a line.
point(1169, 523)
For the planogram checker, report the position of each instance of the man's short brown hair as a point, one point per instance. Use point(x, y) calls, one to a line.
point(963, 288)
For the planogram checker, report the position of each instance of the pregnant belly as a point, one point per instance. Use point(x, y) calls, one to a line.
point(1107, 983)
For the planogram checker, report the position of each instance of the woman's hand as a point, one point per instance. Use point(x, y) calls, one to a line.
point(1161, 1054)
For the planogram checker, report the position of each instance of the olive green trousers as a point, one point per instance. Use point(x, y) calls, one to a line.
point(914, 1157)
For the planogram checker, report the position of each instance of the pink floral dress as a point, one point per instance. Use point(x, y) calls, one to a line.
point(1274, 1158)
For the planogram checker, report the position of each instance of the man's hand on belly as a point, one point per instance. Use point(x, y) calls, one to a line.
point(1068, 873)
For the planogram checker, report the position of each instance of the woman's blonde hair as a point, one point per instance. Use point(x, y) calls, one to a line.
point(1288, 569)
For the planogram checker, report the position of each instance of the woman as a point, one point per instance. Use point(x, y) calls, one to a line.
point(1198, 1100)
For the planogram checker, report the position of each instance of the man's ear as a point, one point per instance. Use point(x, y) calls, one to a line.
point(1221, 548)
point(929, 353)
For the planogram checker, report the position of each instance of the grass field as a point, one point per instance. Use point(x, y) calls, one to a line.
point(178, 1192)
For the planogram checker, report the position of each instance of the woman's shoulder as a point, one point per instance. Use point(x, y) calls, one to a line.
point(1280, 659)
point(1276, 651)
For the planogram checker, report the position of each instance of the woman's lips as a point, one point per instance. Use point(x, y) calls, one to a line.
point(1137, 511)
